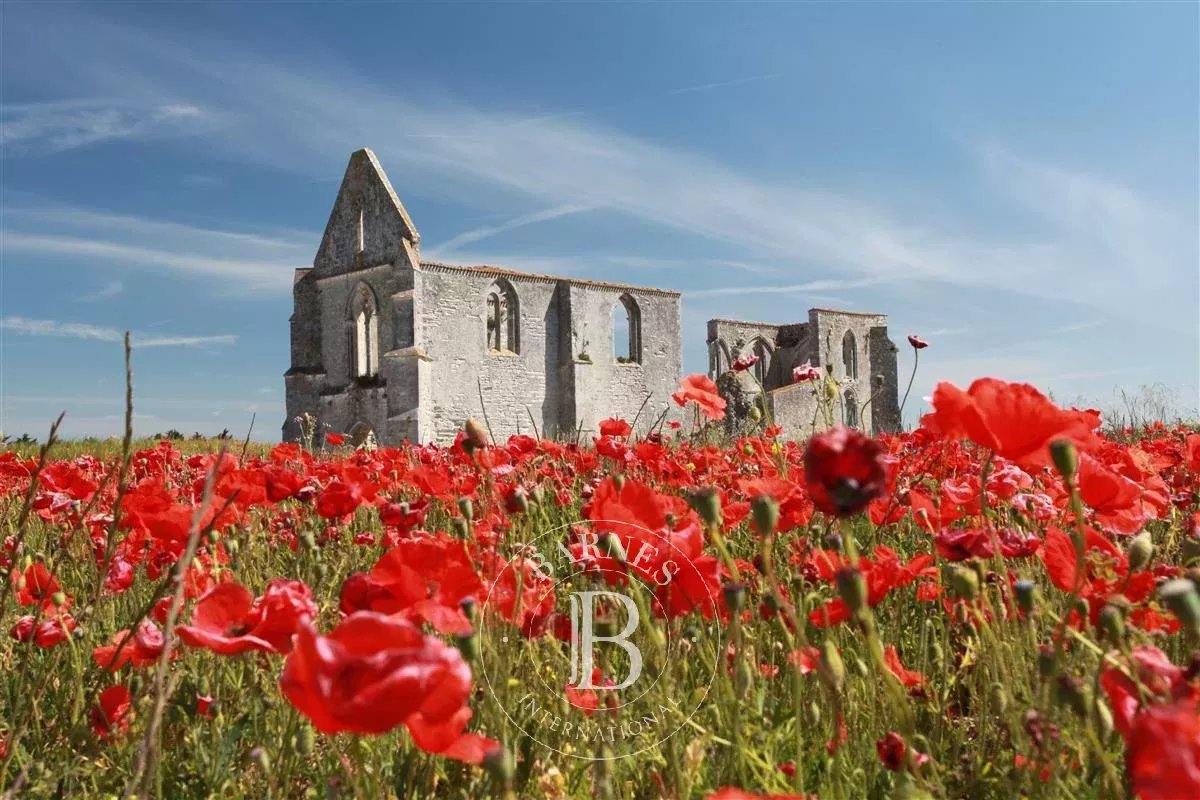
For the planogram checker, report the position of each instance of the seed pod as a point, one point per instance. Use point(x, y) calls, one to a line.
point(618, 482)
point(964, 582)
point(812, 713)
point(460, 527)
point(468, 645)
point(1180, 596)
point(466, 508)
point(830, 666)
point(765, 513)
point(861, 668)
point(1141, 549)
point(1112, 622)
point(499, 762)
point(306, 740)
point(998, 696)
point(1026, 594)
point(1066, 460)
point(852, 587)
point(1073, 694)
point(735, 596)
point(706, 502)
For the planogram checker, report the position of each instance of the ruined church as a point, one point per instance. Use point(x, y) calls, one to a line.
point(410, 349)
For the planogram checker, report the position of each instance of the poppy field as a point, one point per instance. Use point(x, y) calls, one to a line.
point(1000, 603)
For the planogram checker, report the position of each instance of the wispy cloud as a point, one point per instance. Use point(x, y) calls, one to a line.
point(485, 232)
point(258, 263)
point(109, 290)
point(79, 330)
point(825, 285)
point(702, 87)
point(57, 126)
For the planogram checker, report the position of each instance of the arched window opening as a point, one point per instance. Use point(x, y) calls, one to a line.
point(851, 410)
point(724, 362)
point(762, 367)
point(503, 318)
point(627, 331)
point(364, 332)
point(850, 355)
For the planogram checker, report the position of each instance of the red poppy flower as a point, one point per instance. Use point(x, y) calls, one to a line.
point(1014, 420)
point(228, 620)
point(45, 634)
point(806, 372)
point(910, 678)
point(744, 363)
point(113, 713)
point(700, 390)
point(338, 499)
point(373, 673)
point(335, 439)
point(141, 648)
point(845, 470)
point(895, 754)
point(917, 342)
point(615, 427)
point(36, 585)
point(1163, 751)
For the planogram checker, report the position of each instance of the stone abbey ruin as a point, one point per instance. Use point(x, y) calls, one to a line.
point(410, 349)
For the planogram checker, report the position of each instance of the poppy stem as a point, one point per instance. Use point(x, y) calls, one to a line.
point(911, 377)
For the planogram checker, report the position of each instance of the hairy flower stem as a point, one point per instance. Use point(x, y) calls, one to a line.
point(911, 377)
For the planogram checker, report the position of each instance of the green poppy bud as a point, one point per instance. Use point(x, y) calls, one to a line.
point(998, 696)
point(468, 645)
point(1026, 594)
point(306, 740)
point(1180, 596)
point(852, 587)
point(1066, 460)
point(500, 764)
point(1141, 549)
point(830, 666)
point(706, 502)
point(735, 596)
point(1112, 622)
point(466, 508)
point(964, 582)
point(765, 513)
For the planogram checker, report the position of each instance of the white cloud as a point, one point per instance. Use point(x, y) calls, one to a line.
point(258, 263)
point(478, 234)
point(57, 126)
point(77, 330)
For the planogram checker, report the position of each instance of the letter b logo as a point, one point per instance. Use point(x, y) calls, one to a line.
point(583, 638)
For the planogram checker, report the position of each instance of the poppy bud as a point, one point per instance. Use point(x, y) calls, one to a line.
point(765, 513)
point(706, 502)
point(618, 482)
point(1140, 551)
point(500, 764)
point(1180, 596)
point(1066, 460)
point(861, 668)
point(743, 677)
point(213, 537)
point(735, 596)
point(467, 604)
point(833, 541)
point(852, 587)
point(1071, 692)
point(476, 435)
point(1045, 660)
point(1026, 594)
point(1190, 549)
point(466, 508)
point(830, 666)
point(322, 570)
point(755, 413)
point(77, 633)
point(613, 547)
point(59, 598)
point(998, 697)
point(460, 527)
point(309, 540)
point(306, 740)
point(259, 756)
point(1112, 622)
point(468, 645)
point(813, 713)
point(233, 546)
point(964, 582)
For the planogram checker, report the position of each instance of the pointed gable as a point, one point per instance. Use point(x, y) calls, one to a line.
point(368, 226)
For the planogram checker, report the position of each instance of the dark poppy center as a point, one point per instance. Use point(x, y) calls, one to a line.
point(237, 629)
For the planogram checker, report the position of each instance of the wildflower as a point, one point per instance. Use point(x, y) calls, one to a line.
point(700, 390)
point(744, 363)
point(335, 439)
point(615, 427)
point(228, 620)
point(113, 712)
point(845, 470)
point(917, 342)
point(806, 372)
point(374, 673)
point(895, 754)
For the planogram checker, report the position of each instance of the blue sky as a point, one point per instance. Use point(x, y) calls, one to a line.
point(1017, 183)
